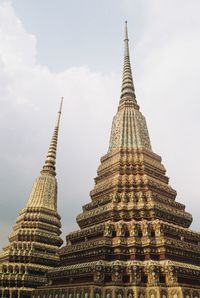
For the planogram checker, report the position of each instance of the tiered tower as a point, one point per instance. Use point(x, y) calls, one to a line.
point(35, 239)
point(134, 238)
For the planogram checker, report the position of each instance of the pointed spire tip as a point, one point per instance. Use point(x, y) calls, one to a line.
point(126, 31)
point(127, 90)
point(61, 103)
point(59, 112)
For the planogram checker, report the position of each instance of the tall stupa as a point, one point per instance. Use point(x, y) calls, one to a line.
point(134, 238)
point(35, 238)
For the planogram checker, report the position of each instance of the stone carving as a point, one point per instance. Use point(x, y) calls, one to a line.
point(99, 277)
point(119, 294)
point(130, 294)
point(164, 294)
point(108, 230)
point(108, 294)
point(97, 293)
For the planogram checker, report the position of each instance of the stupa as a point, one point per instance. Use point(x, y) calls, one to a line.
point(134, 238)
point(35, 238)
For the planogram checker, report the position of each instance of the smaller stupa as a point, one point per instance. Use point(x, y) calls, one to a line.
point(35, 238)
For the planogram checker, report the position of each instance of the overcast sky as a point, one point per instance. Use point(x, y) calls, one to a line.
point(74, 49)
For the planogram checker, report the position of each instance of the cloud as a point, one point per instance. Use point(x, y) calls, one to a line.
point(169, 70)
point(29, 100)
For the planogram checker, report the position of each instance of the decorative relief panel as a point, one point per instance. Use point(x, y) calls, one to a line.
point(142, 131)
point(44, 193)
point(108, 294)
point(130, 294)
point(129, 130)
point(116, 131)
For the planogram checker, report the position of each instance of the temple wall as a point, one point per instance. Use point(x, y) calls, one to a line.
point(118, 292)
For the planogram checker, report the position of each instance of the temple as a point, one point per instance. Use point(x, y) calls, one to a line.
point(134, 238)
point(35, 238)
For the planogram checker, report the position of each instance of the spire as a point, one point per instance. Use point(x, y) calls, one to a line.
point(127, 90)
point(129, 128)
point(49, 165)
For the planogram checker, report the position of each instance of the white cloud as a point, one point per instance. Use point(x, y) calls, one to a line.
point(18, 48)
point(168, 85)
point(29, 100)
